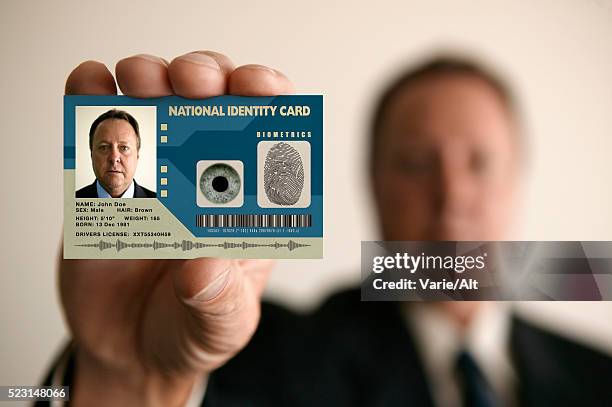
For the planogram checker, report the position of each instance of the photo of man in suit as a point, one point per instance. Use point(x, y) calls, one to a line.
point(114, 143)
point(445, 162)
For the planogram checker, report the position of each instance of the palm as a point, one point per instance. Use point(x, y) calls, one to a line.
point(128, 312)
point(105, 300)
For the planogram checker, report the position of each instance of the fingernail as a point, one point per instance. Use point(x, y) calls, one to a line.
point(200, 59)
point(214, 288)
point(152, 58)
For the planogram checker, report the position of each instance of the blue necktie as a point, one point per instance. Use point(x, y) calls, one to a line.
point(476, 390)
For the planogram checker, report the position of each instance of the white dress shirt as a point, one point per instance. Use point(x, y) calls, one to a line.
point(439, 340)
point(129, 193)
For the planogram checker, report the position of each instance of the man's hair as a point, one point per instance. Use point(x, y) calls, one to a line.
point(439, 66)
point(118, 115)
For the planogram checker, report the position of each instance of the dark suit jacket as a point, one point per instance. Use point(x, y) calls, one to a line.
point(353, 353)
point(90, 191)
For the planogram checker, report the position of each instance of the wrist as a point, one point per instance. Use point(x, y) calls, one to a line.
point(94, 384)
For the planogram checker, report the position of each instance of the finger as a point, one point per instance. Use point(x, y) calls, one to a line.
point(91, 78)
point(200, 74)
point(258, 80)
point(223, 60)
point(143, 76)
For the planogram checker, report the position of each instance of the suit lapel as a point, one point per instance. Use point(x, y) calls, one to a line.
point(92, 190)
point(138, 192)
point(538, 360)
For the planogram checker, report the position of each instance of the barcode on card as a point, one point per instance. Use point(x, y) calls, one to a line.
point(254, 221)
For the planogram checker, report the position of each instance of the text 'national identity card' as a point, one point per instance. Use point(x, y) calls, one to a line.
point(163, 178)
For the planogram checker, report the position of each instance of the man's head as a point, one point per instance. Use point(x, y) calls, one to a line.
point(114, 142)
point(445, 152)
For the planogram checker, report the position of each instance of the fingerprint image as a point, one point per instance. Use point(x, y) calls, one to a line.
point(283, 174)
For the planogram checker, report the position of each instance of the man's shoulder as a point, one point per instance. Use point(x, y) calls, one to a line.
point(536, 337)
point(142, 192)
point(281, 325)
point(88, 191)
point(344, 304)
point(554, 364)
point(340, 318)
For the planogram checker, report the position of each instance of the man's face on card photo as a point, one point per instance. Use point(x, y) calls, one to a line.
point(114, 155)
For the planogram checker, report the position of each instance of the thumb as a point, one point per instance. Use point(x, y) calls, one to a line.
point(202, 280)
point(222, 306)
point(213, 285)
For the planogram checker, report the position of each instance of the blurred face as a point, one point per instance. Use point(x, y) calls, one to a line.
point(114, 155)
point(446, 167)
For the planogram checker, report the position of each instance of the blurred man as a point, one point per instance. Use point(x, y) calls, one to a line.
point(444, 166)
point(114, 143)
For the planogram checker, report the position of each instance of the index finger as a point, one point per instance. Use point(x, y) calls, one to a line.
point(91, 78)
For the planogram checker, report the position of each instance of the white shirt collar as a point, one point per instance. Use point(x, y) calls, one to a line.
point(129, 193)
point(439, 340)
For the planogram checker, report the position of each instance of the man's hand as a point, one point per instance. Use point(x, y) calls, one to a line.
point(146, 330)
